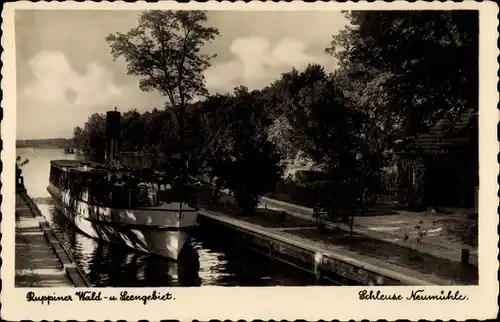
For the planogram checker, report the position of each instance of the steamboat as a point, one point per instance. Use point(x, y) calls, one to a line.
point(138, 208)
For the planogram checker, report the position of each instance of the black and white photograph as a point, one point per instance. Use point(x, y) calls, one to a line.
point(155, 153)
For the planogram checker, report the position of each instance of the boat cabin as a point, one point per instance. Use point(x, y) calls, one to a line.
point(116, 188)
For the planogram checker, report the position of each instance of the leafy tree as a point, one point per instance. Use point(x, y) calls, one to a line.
point(410, 68)
point(323, 125)
point(95, 134)
point(156, 124)
point(134, 131)
point(165, 50)
point(216, 121)
point(78, 138)
point(335, 135)
point(243, 159)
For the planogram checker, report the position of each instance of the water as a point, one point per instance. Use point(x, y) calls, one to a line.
point(205, 261)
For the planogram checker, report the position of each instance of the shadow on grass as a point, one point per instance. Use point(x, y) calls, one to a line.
point(465, 230)
point(264, 217)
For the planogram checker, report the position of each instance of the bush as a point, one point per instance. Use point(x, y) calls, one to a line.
point(336, 198)
point(309, 176)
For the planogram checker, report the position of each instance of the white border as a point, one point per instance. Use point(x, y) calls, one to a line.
point(310, 303)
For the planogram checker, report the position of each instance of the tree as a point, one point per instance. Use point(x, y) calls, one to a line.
point(95, 134)
point(133, 131)
point(78, 138)
point(323, 125)
point(338, 137)
point(410, 68)
point(165, 50)
point(216, 121)
point(243, 159)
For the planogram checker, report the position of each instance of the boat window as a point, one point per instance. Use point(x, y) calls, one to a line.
point(120, 189)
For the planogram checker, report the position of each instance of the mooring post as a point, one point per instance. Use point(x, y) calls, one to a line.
point(318, 263)
point(464, 258)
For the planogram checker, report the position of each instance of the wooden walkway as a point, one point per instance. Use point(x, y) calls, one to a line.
point(36, 262)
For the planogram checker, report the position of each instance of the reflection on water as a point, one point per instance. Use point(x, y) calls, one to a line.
point(115, 265)
point(203, 261)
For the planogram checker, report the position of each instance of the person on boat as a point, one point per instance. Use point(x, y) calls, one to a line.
point(142, 193)
point(133, 189)
point(151, 194)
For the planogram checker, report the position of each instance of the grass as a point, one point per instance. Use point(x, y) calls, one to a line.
point(367, 246)
point(281, 196)
point(465, 231)
point(394, 254)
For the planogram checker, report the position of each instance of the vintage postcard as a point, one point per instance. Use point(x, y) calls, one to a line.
point(249, 161)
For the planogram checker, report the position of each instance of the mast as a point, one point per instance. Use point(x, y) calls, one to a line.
point(182, 138)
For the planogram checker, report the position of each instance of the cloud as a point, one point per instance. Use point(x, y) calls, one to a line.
point(54, 78)
point(58, 98)
point(256, 63)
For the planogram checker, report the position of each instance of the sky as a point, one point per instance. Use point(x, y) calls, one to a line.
point(65, 71)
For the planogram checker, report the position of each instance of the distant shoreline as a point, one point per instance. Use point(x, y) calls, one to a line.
point(40, 147)
point(54, 143)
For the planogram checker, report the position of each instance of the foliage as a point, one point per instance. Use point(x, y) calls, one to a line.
point(420, 234)
point(281, 133)
point(243, 159)
point(415, 67)
point(165, 50)
point(133, 127)
point(328, 127)
point(317, 113)
point(78, 138)
point(90, 139)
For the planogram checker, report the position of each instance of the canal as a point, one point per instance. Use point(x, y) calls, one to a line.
point(207, 261)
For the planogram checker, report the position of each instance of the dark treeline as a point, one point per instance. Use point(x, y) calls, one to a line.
point(399, 73)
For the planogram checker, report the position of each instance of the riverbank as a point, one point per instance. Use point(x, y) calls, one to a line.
point(41, 260)
point(391, 262)
point(444, 232)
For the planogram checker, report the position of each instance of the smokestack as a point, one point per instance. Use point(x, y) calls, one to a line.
point(113, 135)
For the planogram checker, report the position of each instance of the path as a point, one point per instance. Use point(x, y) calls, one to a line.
point(36, 263)
point(392, 228)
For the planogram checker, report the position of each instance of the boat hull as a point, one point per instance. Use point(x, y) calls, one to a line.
point(161, 230)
